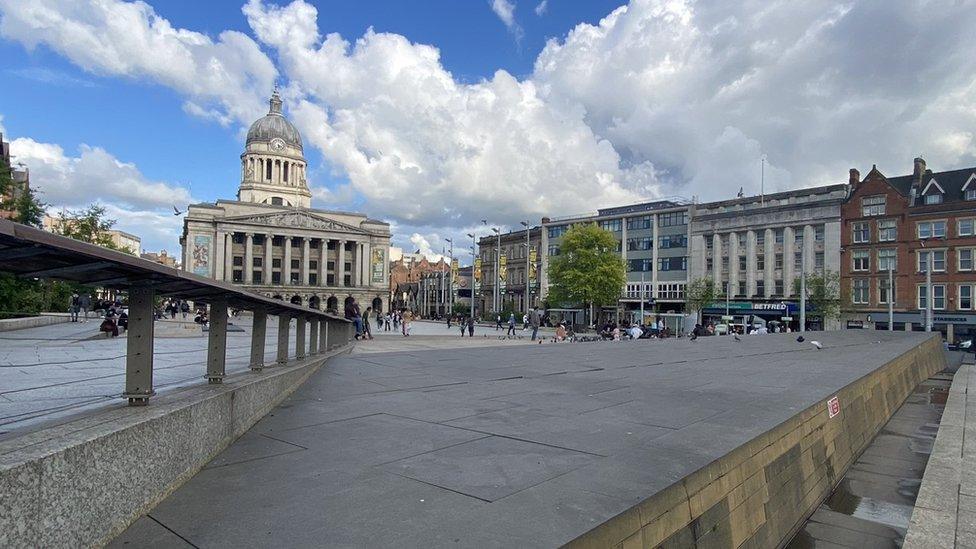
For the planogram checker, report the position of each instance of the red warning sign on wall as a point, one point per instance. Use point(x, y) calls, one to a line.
point(833, 406)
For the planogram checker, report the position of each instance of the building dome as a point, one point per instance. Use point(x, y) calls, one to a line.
point(274, 126)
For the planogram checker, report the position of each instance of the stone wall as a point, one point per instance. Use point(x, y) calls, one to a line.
point(45, 319)
point(81, 483)
point(759, 494)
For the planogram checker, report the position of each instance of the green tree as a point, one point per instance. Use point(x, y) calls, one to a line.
point(461, 308)
point(823, 294)
point(89, 225)
point(588, 269)
point(701, 293)
point(28, 208)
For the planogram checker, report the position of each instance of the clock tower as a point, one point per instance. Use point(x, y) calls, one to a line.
point(273, 162)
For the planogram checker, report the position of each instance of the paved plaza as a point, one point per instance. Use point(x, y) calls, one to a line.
point(54, 372)
point(514, 446)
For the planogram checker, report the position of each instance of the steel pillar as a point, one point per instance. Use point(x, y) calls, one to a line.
point(300, 337)
point(217, 344)
point(284, 324)
point(258, 335)
point(313, 336)
point(323, 336)
point(139, 347)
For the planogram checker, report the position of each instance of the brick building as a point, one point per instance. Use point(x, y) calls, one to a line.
point(894, 223)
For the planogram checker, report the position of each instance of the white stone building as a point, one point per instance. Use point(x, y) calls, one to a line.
point(271, 241)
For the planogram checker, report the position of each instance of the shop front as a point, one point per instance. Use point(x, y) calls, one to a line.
point(745, 313)
point(953, 326)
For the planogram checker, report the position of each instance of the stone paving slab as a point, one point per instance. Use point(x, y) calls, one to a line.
point(583, 432)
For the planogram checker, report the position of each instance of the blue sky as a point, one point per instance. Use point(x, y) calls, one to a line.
point(447, 112)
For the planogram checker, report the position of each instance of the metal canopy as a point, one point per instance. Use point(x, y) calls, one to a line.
point(32, 253)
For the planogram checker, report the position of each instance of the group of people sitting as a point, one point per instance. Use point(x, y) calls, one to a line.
point(116, 317)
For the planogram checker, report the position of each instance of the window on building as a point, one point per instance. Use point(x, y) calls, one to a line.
point(238, 261)
point(347, 280)
point(557, 231)
point(673, 264)
point(672, 219)
point(276, 277)
point(553, 250)
point(330, 280)
point(778, 288)
point(760, 262)
point(742, 241)
point(887, 230)
point(313, 279)
point(938, 260)
point(725, 263)
point(294, 263)
point(612, 225)
point(742, 263)
point(964, 227)
point(640, 244)
point(709, 264)
point(938, 296)
point(256, 277)
point(257, 261)
point(741, 289)
point(278, 241)
point(860, 232)
point(888, 259)
point(970, 194)
point(672, 241)
point(818, 233)
point(330, 265)
point(932, 229)
point(934, 198)
point(640, 265)
point(725, 287)
point(296, 242)
point(671, 291)
point(276, 263)
point(798, 261)
point(313, 265)
point(238, 276)
point(883, 291)
point(760, 287)
point(873, 205)
point(778, 263)
point(818, 261)
point(294, 278)
point(779, 235)
point(966, 258)
point(966, 296)
point(798, 235)
point(860, 291)
point(237, 238)
point(860, 260)
point(709, 242)
point(313, 244)
point(638, 223)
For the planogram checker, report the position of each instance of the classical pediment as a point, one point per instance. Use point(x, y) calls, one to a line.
point(299, 220)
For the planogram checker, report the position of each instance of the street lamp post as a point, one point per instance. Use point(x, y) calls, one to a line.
point(450, 286)
point(495, 295)
point(891, 299)
point(474, 256)
point(929, 263)
point(528, 268)
point(803, 289)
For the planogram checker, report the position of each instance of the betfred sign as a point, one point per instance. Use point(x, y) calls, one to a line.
point(833, 406)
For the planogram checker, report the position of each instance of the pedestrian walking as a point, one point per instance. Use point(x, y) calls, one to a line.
point(511, 325)
point(85, 303)
point(534, 321)
point(406, 321)
point(463, 325)
point(471, 326)
point(367, 333)
point(498, 322)
point(184, 308)
point(74, 306)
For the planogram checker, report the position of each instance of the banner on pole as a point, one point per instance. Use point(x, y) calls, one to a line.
point(477, 274)
point(502, 272)
point(454, 273)
point(533, 268)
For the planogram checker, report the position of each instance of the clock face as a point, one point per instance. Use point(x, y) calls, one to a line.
point(277, 144)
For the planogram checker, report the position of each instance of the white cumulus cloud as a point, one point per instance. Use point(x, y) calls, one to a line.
point(541, 8)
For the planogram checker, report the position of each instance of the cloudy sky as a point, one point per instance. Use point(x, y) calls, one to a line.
point(434, 115)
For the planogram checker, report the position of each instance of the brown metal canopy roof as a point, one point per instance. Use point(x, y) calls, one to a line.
point(32, 253)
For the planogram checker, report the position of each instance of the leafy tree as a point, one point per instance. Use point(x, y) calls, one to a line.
point(461, 308)
point(588, 269)
point(88, 225)
point(28, 208)
point(701, 293)
point(823, 294)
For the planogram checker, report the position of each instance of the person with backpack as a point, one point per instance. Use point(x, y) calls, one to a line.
point(74, 307)
point(511, 325)
point(85, 303)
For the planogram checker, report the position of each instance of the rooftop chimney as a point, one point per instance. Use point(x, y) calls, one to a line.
point(855, 178)
point(545, 220)
point(919, 172)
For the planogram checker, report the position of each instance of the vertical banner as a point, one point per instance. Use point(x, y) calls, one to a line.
point(454, 274)
point(477, 274)
point(200, 256)
point(533, 268)
point(378, 265)
point(502, 272)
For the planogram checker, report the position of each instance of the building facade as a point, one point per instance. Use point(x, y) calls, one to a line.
point(437, 297)
point(753, 248)
point(272, 242)
point(653, 243)
point(163, 258)
point(20, 175)
point(406, 273)
point(895, 223)
point(513, 262)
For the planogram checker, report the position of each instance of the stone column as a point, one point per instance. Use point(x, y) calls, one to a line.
point(313, 336)
point(229, 257)
point(733, 264)
point(717, 261)
point(258, 335)
point(300, 324)
point(217, 341)
point(769, 275)
point(248, 258)
point(809, 249)
point(341, 264)
point(286, 263)
point(220, 248)
point(284, 325)
point(305, 259)
point(139, 347)
point(789, 249)
point(654, 257)
point(268, 261)
point(367, 268)
point(750, 263)
point(323, 335)
point(357, 264)
point(323, 264)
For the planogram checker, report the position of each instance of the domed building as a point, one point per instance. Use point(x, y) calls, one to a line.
point(273, 242)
